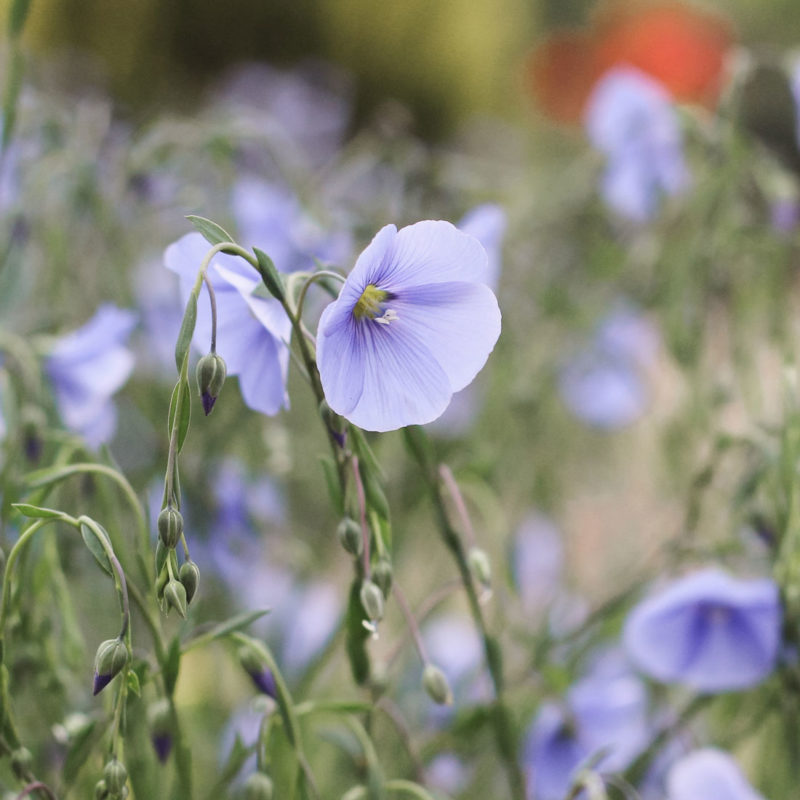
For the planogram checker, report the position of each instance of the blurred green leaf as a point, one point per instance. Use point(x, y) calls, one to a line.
point(91, 540)
point(213, 233)
point(186, 332)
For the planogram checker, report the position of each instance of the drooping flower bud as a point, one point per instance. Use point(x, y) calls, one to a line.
point(170, 527)
point(175, 597)
point(350, 536)
point(115, 775)
point(383, 574)
point(21, 763)
point(211, 372)
point(111, 657)
point(255, 666)
point(372, 601)
point(189, 576)
point(257, 787)
point(160, 719)
point(437, 685)
point(100, 790)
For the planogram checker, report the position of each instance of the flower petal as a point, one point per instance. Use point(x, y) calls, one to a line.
point(709, 773)
point(265, 364)
point(458, 322)
point(433, 251)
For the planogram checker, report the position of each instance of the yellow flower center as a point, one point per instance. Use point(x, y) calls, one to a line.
point(369, 304)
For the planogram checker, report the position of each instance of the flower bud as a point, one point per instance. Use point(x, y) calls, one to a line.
point(350, 536)
point(111, 657)
point(382, 574)
point(436, 685)
point(257, 787)
point(189, 576)
point(255, 666)
point(100, 790)
point(160, 720)
point(21, 763)
point(115, 775)
point(211, 371)
point(170, 527)
point(480, 565)
point(372, 601)
point(175, 597)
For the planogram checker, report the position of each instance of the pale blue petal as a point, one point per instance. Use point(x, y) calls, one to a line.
point(402, 383)
point(433, 251)
point(373, 261)
point(709, 774)
point(264, 366)
point(340, 358)
point(458, 322)
point(267, 310)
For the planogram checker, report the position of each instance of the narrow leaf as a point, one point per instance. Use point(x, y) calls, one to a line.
point(91, 540)
point(172, 665)
point(184, 413)
point(17, 17)
point(332, 482)
point(222, 629)
point(186, 331)
point(37, 512)
point(270, 275)
point(213, 233)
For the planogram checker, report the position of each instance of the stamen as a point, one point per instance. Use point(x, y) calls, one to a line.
point(370, 302)
point(388, 316)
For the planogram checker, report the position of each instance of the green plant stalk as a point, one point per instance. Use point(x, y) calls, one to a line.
point(501, 719)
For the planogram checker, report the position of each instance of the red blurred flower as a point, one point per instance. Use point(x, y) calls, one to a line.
point(681, 46)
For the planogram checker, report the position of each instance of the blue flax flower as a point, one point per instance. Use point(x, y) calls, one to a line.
point(708, 773)
point(271, 218)
point(86, 367)
point(631, 120)
point(252, 331)
point(708, 631)
point(604, 715)
point(603, 384)
point(414, 323)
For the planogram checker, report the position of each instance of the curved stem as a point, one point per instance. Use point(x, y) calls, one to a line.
point(212, 299)
point(323, 273)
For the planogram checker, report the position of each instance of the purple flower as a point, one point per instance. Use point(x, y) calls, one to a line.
point(252, 331)
point(86, 368)
point(271, 218)
point(708, 773)
point(604, 714)
point(448, 773)
point(631, 120)
point(603, 384)
point(414, 322)
point(708, 631)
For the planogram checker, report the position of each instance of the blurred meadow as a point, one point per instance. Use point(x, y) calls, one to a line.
point(580, 580)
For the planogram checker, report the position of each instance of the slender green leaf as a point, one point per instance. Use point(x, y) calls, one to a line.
point(17, 16)
point(213, 233)
point(187, 331)
point(172, 665)
point(133, 683)
point(37, 512)
point(185, 411)
point(332, 482)
point(270, 275)
point(91, 540)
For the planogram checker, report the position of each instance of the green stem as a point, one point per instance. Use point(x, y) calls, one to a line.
point(505, 737)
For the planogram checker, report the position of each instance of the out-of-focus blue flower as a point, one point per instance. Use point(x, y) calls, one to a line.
point(86, 367)
point(711, 774)
point(252, 331)
point(243, 502)
point(604, 715)
point(448, 773)
point(537, 561)
point(631, 120)
point(708, 631)
point(488, 223)
point(303, 112)
point(270, 217)
point(158, 300)
point(603, 384)
point(414, 322)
